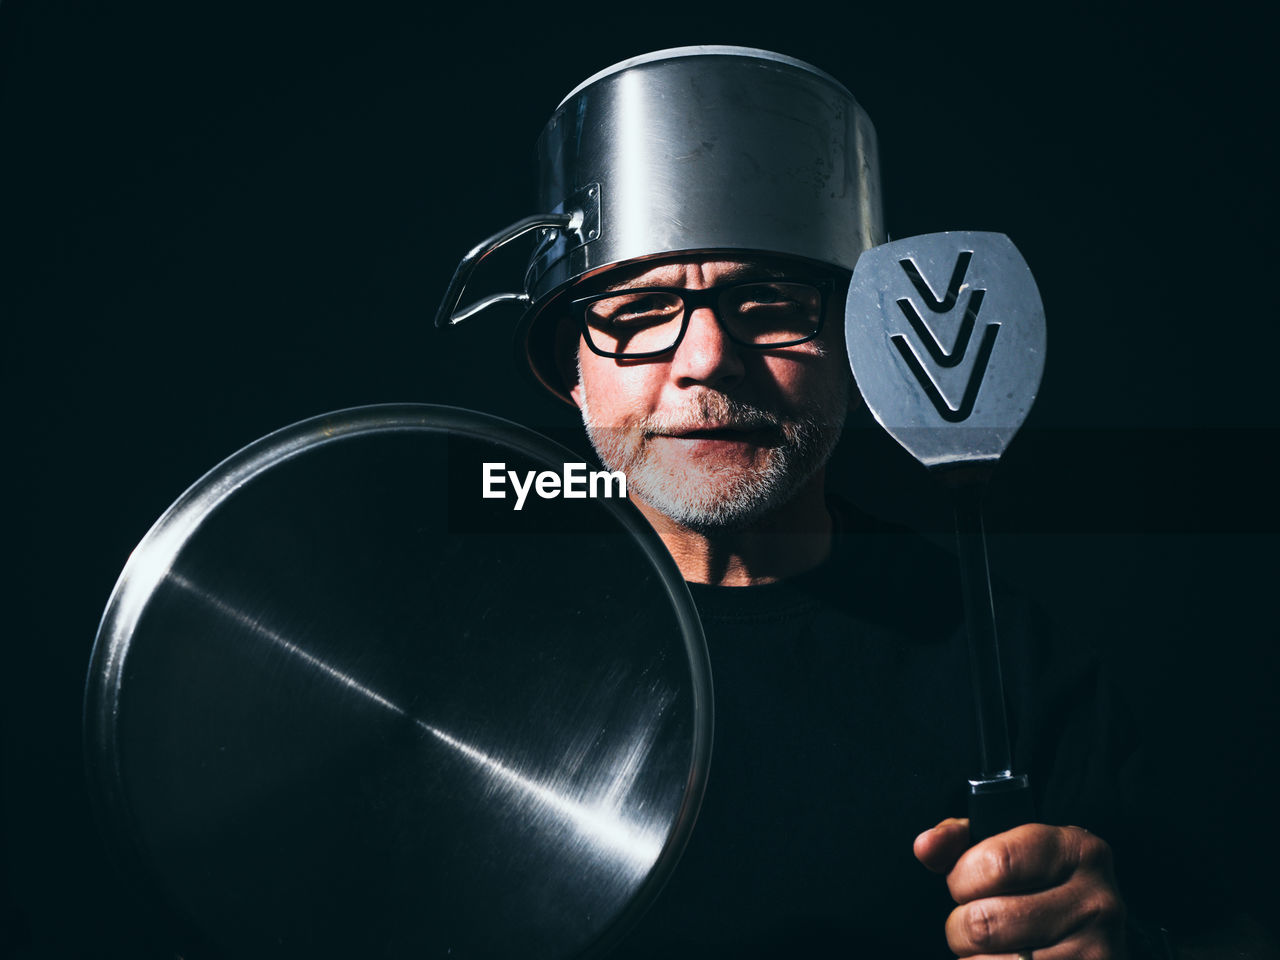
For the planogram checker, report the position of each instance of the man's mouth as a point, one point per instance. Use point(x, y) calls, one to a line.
point(725, 433)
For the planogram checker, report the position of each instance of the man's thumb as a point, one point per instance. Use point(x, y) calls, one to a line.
point(940, 847)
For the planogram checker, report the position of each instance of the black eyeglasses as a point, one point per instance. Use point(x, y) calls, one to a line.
point(650, 321)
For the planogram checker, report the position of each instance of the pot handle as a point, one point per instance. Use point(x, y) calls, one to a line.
point(449, 313)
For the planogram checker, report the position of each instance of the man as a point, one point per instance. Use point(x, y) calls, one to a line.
point(687, 295)
point(724, 439)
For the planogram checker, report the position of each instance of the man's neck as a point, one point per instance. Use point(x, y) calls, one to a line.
point(788, 541)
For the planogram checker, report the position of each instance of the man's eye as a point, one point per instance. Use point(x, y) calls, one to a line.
point(636, 310)
point(768, 299)
point(774, 301)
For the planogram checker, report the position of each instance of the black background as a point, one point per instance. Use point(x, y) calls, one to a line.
point(222, 218)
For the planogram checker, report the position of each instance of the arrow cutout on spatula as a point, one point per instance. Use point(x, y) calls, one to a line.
point(940, 356)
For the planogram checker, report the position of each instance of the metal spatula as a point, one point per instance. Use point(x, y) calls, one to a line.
point(946, 339)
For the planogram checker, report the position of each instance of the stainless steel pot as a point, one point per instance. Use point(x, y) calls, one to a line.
point(683, 151)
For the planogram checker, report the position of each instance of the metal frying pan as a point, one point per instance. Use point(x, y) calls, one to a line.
point(342, 705)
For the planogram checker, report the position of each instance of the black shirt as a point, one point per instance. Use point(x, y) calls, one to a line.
point(844, 727)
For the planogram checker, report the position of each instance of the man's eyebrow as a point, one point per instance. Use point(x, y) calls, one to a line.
point(633, 284)
point(752, 271)
point(746, 271)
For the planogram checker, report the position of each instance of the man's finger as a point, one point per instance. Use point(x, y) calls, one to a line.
point(1072, 914)
point(939, 847)
point(1027, 858)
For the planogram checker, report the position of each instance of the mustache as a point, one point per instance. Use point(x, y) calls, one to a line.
point(712, 410)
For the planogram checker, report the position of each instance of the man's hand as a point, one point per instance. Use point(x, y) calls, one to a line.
point(1035, 888)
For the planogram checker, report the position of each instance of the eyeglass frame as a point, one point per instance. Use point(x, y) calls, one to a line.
point(696, 300)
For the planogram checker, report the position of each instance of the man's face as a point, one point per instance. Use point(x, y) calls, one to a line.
point(714, 434)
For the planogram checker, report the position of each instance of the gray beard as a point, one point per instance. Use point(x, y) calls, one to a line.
point(721, 498)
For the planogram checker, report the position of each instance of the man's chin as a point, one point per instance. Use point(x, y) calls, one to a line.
point(708, 502)
point(715, 485)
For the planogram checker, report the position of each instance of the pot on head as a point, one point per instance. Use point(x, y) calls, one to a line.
point(685, 151)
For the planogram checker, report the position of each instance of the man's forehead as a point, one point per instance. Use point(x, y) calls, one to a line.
point(704, 270)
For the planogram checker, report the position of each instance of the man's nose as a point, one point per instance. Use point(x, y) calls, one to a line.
point(706, 354)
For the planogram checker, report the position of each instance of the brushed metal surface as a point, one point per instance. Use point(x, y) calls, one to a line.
point(946, 339)
point(706, 148)
point(341, 705)
point(693, 149)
